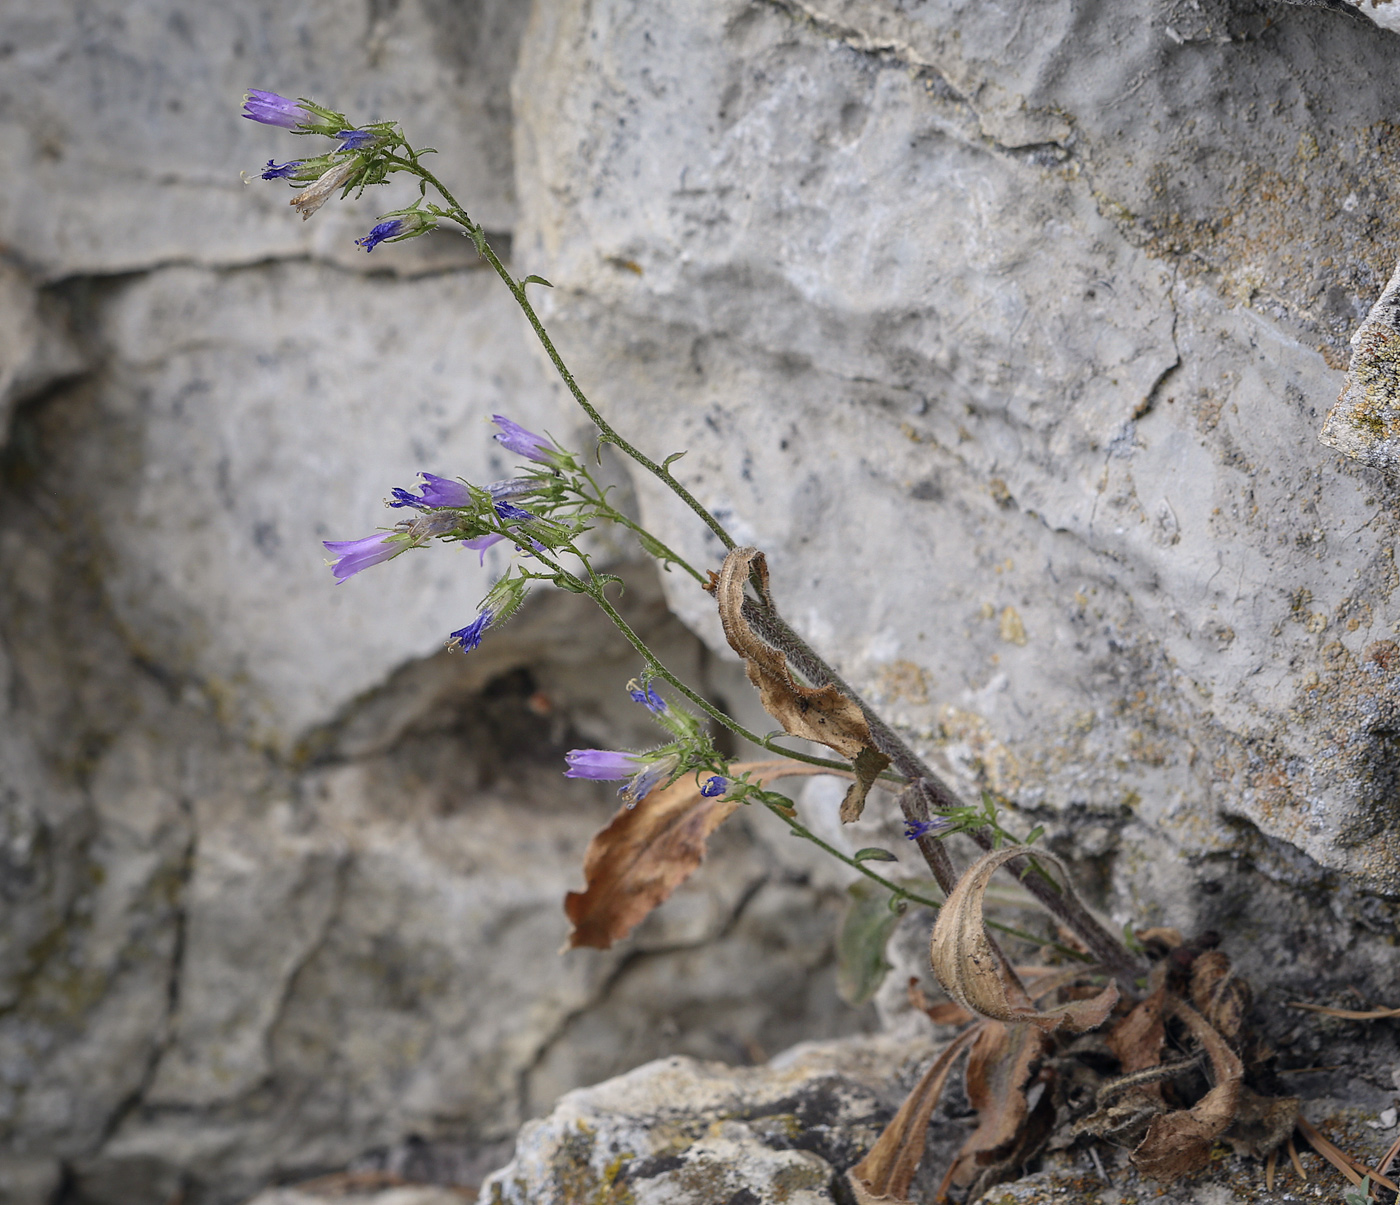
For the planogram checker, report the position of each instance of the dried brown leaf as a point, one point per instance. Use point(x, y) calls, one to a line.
point(1137, 1039)
point(970, 970)
point(887, 1171)
point(869, 763)
point(1220, 995)
point(1000, 1068)
point(824, 714)
point(647, 851)
point(945, 1012)
point(1262, 1123)
point(1179, 1143)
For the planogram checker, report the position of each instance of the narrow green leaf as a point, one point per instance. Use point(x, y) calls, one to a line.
point(860, 945)
point(537, 280)
point(873, 853)
point(666, 464)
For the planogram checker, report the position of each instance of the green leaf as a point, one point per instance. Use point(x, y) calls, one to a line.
point(674, 456)
point(536, 280)
point(873, 853)
point(1035, 834)
point(860, 945)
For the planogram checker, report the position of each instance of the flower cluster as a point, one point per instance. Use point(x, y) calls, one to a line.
point(356, 162)
point(476, 517)
point(644, 772)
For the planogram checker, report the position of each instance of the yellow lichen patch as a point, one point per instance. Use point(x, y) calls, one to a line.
point(1013, 631)
point(968, 738)
point(903, 680)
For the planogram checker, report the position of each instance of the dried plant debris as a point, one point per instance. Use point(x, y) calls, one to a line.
point(650, 849)
point(1169, 1075)
point(825, 714)
point(1365, 422)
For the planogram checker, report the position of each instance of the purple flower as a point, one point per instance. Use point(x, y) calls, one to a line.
point(522, 442)
point(354, 555)
point(437, 491)
point(355, 140)
point(716, 785)
point(467, 638)
point(653, 702)
point(914, 829)
point(507, 511)
point(648, 779)
point(385, 230)
point(274, 110)
point(282, 171)
point(602, 764)
point(482, 543)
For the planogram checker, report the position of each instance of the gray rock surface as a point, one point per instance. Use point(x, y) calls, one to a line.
point(1009, 341)
point(1013, 392)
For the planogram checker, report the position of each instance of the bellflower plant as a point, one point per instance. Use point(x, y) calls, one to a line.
point(554, 500)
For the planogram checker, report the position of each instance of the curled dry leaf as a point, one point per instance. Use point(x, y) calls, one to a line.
point(1179, 1143)
point(825, 714)
point(885, 1174)
point(646, 852)
point(1003, 1062)
point(970, 971)
point(1220, 995)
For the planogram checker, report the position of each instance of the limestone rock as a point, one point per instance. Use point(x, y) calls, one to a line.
point(1365, 422)
point(1064, 476)
point(681, 1132)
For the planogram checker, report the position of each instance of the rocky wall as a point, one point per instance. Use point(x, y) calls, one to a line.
point(1006, 331)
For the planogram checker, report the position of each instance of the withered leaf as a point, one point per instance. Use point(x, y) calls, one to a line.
point(970, 970)
point(1219, 995)
point(868, 765)
point(886, 1172)
point(1262, 1123)
point(824, 714)
point(945, 1012)
point(1137, 1038)
point(999, 1070)
point(646, 852)
point(1177, 1144)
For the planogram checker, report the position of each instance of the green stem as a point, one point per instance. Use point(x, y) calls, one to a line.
point(611, 512)
point(904, 893)
point(596, 594)
point(517, 290)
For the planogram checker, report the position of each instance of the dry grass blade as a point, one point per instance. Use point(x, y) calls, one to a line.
point(1270, 1167)
point(970, 968)
point(1388, 1157)
point(647, 851)
point(887, 1171)
point(1297, 1163)
point(1353, 1169)
point(1348, 1014)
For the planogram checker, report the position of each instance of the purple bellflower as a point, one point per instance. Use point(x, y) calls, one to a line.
point(914, 829)
point(644, 771)
point(482, 543)
point(716, 784)
point(283, 171)
point(467, 638)
point(436, 491)
point(354, 555)
point(355, 140)
point(652, 701)
point(274, 110)
point(522, 442)
point(406, 225)
point(602, 764)
point(508, 511)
